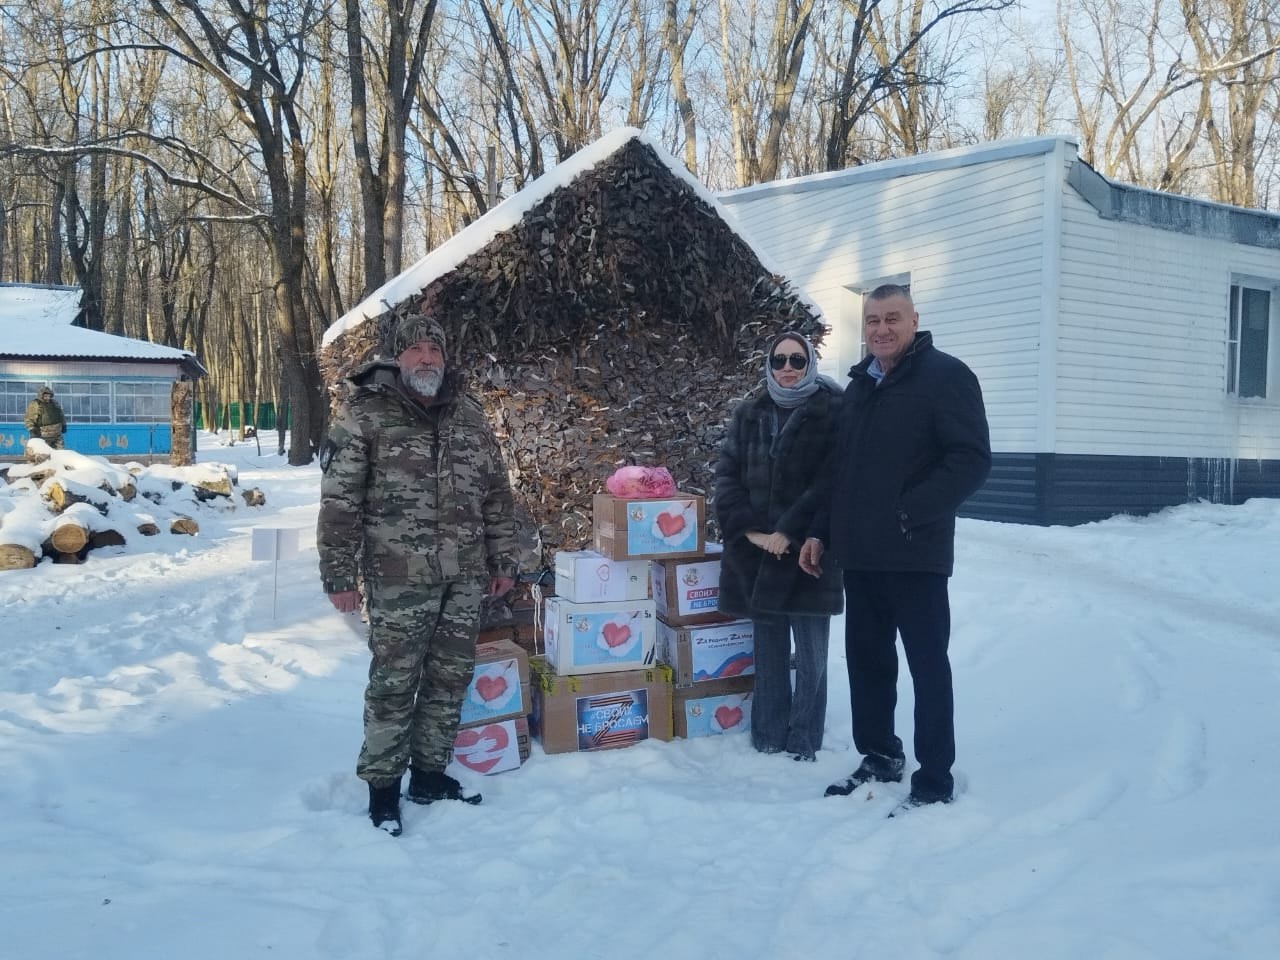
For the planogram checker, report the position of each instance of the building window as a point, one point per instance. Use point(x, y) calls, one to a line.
point(14, 397)
point(145, 402)
point(1248, 339)
point(84, 401)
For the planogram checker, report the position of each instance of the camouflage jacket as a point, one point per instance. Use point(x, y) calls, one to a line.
point(44, 419)
point(411, 493)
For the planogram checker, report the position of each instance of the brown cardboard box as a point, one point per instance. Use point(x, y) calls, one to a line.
point(492, 747)
point(649, 529)
point(499, 686)
point(713, 707)
point(601, 711)
point(710, 651)
point(686, 591)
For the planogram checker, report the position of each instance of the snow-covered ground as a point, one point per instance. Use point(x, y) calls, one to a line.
point(176, 774)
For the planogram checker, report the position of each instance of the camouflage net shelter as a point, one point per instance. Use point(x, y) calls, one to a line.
point(616, 321)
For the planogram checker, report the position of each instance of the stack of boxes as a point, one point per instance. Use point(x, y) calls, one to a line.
point(711, 655)
point(493, 732)
point(633, 629)
point(634, 647)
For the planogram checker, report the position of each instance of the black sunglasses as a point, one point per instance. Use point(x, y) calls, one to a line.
point(779, 360)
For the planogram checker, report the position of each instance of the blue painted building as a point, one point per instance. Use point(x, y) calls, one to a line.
point(114, 391)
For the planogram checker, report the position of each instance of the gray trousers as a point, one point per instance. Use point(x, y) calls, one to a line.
point(423, 641)
point(783, 719)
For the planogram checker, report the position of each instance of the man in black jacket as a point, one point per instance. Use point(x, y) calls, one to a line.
point(913, 445)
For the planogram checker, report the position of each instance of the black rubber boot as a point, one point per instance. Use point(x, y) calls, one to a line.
point(428, 786)
point(384, 808)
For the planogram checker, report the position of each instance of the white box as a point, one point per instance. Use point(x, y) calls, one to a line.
point(585, 576)
point(599, 637)
point(710, 652)
point(488, 748)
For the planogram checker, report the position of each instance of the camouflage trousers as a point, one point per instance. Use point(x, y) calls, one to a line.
point(423, 641)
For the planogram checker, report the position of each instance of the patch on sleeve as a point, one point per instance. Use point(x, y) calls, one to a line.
point(327, 453)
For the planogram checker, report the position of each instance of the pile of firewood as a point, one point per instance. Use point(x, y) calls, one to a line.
point(61, 504)
point(617, 323)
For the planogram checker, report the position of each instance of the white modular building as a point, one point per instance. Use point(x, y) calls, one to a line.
point(1127, 340)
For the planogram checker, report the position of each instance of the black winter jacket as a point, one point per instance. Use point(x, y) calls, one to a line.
point(910, 451)
point(766, 484)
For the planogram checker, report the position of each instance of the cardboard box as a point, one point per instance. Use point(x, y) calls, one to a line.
point(585, 576)
point(649, 529)
point(499, 686)
point(713, 708)
point(488, 748)
point(686, 591)
point(599, 637)
point(708, 652)
point(602, 711)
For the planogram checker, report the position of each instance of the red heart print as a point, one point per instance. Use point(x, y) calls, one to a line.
point(616, 634)
point(670, 523)
point(491, 688)
point(728, 716)
point(480, 761)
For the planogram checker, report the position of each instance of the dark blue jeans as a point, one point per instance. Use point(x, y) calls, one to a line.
point(780, 718)
point(879, 605)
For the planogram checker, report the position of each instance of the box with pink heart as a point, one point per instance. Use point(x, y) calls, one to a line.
point(713, 708)
point(499, 687)
point(625, 529)
point(598, 637)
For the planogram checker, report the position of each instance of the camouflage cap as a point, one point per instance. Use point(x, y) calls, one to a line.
point(414, 328)
point(45, 392)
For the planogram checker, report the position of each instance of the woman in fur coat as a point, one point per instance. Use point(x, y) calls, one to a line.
point(766, 486)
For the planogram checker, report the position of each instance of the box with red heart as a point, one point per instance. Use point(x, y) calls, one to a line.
point(712, 708)
point(499, 686)
point(491, 747)
point(585, 576)
point(629, 529)
point(600, 711)
point(707, 652)
point(584, 638)
point(686, 591)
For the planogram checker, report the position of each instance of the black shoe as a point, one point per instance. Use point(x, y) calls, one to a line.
point(873, 767)
point(384, 808)
point(915, 800)
point(428, 786)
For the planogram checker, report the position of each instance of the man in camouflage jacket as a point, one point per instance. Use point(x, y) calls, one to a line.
point(416, 512)
point(44, 419)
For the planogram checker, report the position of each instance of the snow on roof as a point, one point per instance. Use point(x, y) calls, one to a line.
point(903, 166)
point(36, 321)
point(476, 236)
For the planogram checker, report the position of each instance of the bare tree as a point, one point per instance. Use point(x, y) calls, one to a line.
point(259, 57)
point(392, 62)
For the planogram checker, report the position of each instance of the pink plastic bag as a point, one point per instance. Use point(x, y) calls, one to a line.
point(638, 482)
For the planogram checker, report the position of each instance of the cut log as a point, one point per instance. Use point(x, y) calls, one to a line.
point(127, 491)
point(68, 558)
point(62, 497)
point(148, 529)
point(106, 538)
point(206, 490)
point(184, 525)
point(253, 497)
point(69, 537)
point(14, 557)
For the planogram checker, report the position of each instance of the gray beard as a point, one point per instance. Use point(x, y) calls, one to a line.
point(426, 382)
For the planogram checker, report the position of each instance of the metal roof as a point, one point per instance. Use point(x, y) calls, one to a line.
point(37, 322)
